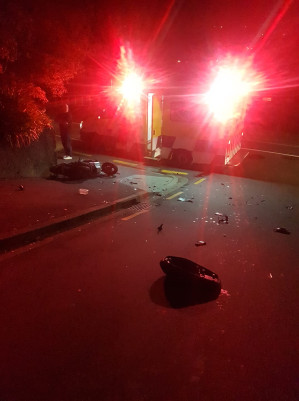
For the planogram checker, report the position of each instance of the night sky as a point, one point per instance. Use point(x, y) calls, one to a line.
point(183, 23)
point(197, 31)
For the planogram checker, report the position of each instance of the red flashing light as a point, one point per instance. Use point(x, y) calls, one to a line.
point(132, 87)
point(228, 92)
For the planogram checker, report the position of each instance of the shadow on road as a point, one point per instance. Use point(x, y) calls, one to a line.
point(176, 294)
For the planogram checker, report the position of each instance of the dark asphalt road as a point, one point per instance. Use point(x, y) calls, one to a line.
point(86, 315)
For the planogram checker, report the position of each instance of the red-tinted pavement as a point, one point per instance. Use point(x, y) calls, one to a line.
point(33, 208)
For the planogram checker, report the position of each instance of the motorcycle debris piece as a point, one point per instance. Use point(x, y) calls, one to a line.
point(281, 230)
point(185, 200)
point(187, 283)
point(222, 218)
point(21, 188)
point(160, 228)
point(186, 270)
point(200, 243)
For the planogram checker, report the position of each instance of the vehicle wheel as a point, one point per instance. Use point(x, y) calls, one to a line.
point(182, 158)
point(109, 168)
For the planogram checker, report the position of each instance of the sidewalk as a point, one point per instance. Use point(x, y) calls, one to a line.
point(35, 208)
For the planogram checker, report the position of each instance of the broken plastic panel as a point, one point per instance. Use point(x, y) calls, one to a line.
point(186, 269)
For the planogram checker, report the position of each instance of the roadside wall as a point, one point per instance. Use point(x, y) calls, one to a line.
point(31, 161)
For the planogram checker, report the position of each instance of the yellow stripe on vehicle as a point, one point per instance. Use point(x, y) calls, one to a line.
point(199, 181)
point(126, 163)
point(174, 195)
point(134, 215)
point(173, 172)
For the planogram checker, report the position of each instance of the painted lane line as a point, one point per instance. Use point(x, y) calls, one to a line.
point(199, 181)
point(174, 195)
point(173, 172)
point(126, 163)
point(134, 215)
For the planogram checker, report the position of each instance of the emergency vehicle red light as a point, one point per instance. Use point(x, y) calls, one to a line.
point(132, 87)
point(227, 93)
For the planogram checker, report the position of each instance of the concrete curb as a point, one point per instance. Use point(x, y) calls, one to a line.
point(25, 237)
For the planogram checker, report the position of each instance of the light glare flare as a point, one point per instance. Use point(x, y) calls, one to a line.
point(132, 88)
point(227, 93)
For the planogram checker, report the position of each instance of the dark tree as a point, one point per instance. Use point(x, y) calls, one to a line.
point(42, 46)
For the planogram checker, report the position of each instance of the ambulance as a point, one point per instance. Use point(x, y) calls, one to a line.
point(174, 125)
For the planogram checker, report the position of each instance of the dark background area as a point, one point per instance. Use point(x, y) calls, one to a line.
point(179, 41)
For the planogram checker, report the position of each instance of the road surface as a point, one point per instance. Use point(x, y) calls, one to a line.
point(86, 315)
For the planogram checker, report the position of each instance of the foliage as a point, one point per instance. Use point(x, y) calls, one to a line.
point(41, 50)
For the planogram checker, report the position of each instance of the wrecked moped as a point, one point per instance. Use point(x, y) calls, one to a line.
point(83, 169)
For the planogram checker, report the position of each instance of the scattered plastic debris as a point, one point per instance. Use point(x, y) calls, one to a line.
point(83, 191)
point(222, 218)
point(281, 230)
point(21, 188)
point(185, 200)
point(290, 207)
point(200, 243)
point(160, 228)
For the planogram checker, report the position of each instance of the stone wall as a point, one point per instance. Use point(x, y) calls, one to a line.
point(31, 161)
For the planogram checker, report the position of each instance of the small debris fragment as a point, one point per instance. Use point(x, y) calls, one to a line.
point(290, 207)
point(281, 230)
point(160, 228)
point(200, 243)
point(222, 218)
point(225, 292)
point(21, 188)
point(83, 191)
point(185, 200)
